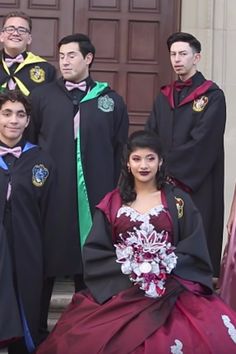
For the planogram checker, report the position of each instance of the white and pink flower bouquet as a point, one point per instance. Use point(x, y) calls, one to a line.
point(146, 256)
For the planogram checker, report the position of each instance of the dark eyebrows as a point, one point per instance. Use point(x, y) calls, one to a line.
point(151, 154)
point(8, 110)
point(69, 53)
point(180, 52)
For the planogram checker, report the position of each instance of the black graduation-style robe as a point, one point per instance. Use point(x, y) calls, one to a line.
point(192, 135)
point(22, 222)
point(102, 273)
point(33, 72)
point(102, 135)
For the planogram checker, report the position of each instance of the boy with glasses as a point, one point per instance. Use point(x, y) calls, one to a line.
point(19, 68)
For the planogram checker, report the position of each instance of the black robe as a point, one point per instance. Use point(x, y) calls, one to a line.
point(23, 219)
point(33, 72)
point(102, 135)
point(192, 135)
point(102, 273)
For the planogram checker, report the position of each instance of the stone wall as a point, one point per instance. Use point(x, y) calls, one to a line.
point(213, 22)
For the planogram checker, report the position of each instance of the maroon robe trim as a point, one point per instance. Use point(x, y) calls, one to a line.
point(168, 91)
point(110, 205)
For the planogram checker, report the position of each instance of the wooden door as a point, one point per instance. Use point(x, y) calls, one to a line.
point(51, 19)
point(129, 36)
point(131, 52)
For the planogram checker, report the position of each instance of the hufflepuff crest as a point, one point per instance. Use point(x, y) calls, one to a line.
point(180, 207)
point(39, 175)
point(37, 74)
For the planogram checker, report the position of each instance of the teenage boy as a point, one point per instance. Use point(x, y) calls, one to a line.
point(83, 124)
point(189, 115)
point(20, 69)
point(26, 174)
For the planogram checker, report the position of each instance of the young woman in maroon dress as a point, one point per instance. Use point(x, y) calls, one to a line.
point(227, 280)
point(147, 270)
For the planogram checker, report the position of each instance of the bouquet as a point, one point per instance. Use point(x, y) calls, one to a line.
point(147, 257)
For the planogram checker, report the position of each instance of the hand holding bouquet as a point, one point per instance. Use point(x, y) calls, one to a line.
point(147, 257)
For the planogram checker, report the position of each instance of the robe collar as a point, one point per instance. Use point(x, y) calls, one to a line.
point(204, 86)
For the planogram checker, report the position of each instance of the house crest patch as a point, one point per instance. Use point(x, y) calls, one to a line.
point(106, 103)
point(37, 74)
point(39, 175)
point(200, 103)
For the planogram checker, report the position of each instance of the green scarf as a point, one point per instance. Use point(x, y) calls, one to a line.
point(84, 213)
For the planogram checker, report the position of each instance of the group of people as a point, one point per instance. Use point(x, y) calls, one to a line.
point(137, 222)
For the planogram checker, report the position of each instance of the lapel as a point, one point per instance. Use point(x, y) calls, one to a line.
point(168, 92)
point(171, 203)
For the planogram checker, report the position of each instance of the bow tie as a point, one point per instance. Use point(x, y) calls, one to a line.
point(11, 61)
point(179, 85)
point(16, 151)
point(71, 85)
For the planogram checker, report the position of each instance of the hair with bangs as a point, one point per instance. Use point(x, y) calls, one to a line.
point(15, 96)
point(18, 14)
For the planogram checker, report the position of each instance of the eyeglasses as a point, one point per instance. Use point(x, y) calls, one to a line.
point(19, 30)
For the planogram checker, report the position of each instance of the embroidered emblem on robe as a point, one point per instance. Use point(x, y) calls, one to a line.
point(37, 74)
point(106, 103)
point(180, 207)
point(177, 347)
point(39, 175)
point(200, 103)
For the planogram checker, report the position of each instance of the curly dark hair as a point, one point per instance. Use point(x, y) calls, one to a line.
point(139, 139)
point(15, 96)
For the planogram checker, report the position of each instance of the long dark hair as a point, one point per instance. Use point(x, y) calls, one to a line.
point(139, 139)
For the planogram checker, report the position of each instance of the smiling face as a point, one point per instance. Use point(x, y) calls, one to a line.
point(15, 43)
point(183, 60)
point(73, 66)
point(13, 121)
point(144, 164)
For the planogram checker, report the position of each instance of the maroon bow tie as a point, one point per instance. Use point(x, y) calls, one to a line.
point(71, 85)
point(16, 151)
point(11, 61)
point(179, 85)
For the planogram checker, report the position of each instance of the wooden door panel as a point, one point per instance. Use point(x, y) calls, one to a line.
point(51, 19)
point(129, 36)
point(131, 53)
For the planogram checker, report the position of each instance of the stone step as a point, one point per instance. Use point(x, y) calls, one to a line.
point(58, 304)
point(61, 297)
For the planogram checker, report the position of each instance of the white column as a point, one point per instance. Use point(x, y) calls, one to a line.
point(213, 22)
